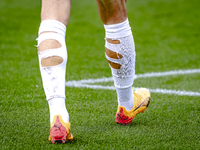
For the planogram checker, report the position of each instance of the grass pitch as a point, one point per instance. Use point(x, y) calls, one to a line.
point(166, 34)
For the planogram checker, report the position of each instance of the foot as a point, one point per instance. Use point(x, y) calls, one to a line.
point(60, 131)
point(141, 101)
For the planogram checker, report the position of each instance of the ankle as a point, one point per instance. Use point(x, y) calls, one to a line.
point(57, 107)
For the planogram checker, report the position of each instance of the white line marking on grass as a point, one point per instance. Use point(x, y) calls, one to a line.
point(86, 83)
point(176, 92)
point(167, 73)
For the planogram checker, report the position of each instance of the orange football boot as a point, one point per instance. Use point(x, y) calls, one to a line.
point(141, 101)
point(60, 131)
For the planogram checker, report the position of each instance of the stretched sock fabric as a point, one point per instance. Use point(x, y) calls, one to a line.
point(125, 49)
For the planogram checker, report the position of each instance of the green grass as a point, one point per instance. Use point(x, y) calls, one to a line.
point(167, 36)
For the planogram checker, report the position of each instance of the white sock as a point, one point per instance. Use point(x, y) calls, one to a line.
point(125, 97)
point(57, 107)
point(53, 77)
point(123, 77)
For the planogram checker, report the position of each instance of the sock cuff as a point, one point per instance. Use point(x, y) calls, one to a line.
point(119, 30)
point(53, 26)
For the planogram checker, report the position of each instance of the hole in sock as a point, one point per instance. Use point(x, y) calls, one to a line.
point(113, 41)
point(51, 61)
point(48, 44)
point(113, 54)
point(114, 65)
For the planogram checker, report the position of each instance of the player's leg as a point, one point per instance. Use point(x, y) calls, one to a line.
point(112, 11)
point(52, 55)
point(120, 53)
point(118, 33)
